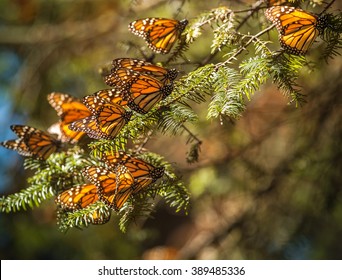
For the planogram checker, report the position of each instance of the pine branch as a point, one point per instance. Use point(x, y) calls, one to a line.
point(226, 100)
point(332, 36)
point(255, 72)
point(96, 213)
point(29, 197)
point(194, 87)
point(284, 69)
point(173, 118)
point(175, 194)
point(215, 16)
point(59, 172)
point(170, 187)
point(98, 148)
point(140, 207)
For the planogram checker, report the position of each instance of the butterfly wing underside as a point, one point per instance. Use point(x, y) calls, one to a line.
point(297, 28)
point(113, 187)
point(31, 142)
point(160, 34)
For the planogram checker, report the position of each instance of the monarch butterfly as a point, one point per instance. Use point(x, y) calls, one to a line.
point(142, 92)
point(162, 74)
point(143, 173)
point(69, 109)
point(297, 29)
point(107, 121)
point(32, 142)
point(160, 34)
point(113, 188)
point(77, 197)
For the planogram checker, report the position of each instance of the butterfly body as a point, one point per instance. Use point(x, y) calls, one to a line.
point(160, 34)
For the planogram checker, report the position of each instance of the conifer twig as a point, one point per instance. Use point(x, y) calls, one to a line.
point(242, 48)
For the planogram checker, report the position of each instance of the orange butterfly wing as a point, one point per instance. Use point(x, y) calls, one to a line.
point(69, 109)
point(145, 92)
point(32, 142)
point(77, 197)
point(112, 118)
point(122, 78)
point(17, 145)
point(107, 119)
point(111, 95)
point(40, 144)
point(166, 76)
point(142, 92)
point(80, 197)
point(143, 173)
point(114, 188)
point(89, 125)
point(160, 34)
point(298, 29)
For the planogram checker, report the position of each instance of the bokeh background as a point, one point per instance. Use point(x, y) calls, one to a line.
point(267, 186)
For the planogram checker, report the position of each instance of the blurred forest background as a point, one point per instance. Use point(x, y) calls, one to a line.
point(267, 186)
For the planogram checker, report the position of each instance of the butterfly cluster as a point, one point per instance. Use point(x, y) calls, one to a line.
point(140, 84)
point(120, 178)
point(136, 87)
